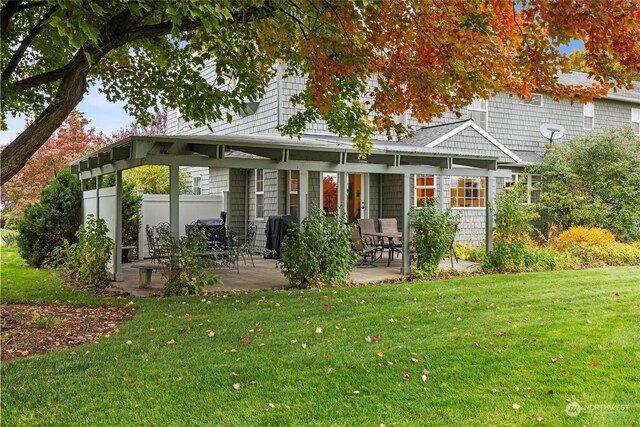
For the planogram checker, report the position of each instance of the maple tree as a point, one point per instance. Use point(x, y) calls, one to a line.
point(427, 56)
point(72, 140)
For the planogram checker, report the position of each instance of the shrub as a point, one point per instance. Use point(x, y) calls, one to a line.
point(591, 236)
point(184, 272)
point(434, 233)
point(469, 253)
point(594, 181)
point(9, 238)
point(87, 260)
point(615, 254)
point(46, 225)
point(320, 253)
point(513, 248)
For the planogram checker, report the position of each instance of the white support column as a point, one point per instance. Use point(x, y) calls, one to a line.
point(366, 196)
point(303, 194)
point(117, 249)
point(406, 205)
point(343, 183)
point(441, 192)
point(141, 230)
point(174, 200)
point(98, 184)
point(490, 189)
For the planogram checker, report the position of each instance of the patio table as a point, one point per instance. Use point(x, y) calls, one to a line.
point(390, 236)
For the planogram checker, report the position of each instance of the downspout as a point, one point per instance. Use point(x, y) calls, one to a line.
point(279, 93)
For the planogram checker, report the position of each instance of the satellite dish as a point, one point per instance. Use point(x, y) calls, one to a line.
point(552, 131)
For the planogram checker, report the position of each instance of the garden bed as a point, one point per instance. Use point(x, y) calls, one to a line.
point(38, 329)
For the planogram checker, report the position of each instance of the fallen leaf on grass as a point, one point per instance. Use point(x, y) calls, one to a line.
point(236, 386)
point(318, 330)
point(234, 374)
point(272, 406)
point(380, 354)
point(293, 342)
point(376, 338)
point(594, 363)
point(171, 341)
point(540, 419)
point(252, 382)
point(368, 338)
point(304, 346)
point(211, 334)
point(355, 392)
point(406, 377)
point(515, 406)
point(129, 342)
point(246, 341)
point(414, 360)
point(233, 350)
point(494, 391)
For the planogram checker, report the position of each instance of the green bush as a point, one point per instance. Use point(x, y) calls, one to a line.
point(593, 181)
point(469, 253)
point(87, 260)
point(184, 272)
point(46, 225)
point(320, 254)
point(513, 248)
point(434, 232)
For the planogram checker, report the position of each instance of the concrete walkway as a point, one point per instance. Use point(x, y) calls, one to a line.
point(265, 275)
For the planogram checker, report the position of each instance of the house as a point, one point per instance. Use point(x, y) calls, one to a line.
point(505, 127)
point(463, 161)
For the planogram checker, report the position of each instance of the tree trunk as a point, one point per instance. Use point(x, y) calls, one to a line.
point(70, 93)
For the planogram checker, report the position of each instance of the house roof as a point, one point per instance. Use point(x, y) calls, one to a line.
point(583, 79)
point(464, 135)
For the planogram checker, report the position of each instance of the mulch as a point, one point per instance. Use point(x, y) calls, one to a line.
point(37, 329)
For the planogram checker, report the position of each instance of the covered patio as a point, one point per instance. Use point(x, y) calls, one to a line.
point(277, 153)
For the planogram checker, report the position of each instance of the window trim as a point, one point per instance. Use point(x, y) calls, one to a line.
point(636, 112)
point(524, 101)
point(258, 193)
point(416, 187)
point(291, 192)
point(193, 185)
point(592, 116)
point(483, 186)
point(529, 182)
point(484, 110)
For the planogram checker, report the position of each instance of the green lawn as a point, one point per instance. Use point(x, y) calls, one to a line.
point(309, 376)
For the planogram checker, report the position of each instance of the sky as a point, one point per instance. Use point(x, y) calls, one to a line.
point(106, 117)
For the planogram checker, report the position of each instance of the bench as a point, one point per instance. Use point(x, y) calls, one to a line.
point(145, 273)
point(129, 253)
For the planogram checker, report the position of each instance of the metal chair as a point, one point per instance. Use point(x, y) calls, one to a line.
point(154, 241)
point(363, 248)
point(249, 242)
point(390, 225)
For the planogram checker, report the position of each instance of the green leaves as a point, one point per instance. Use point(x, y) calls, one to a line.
point(434, 233)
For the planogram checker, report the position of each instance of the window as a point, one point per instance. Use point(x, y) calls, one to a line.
point(425, 189)
point(293, 192)
point(635, 120)
point(180, 120)
point(535, 99)
point(479, 112)
point(197, 185)
point(467, 192)
point(588, 115)
point(330, 192)
point(259, 193)
point(531, 181)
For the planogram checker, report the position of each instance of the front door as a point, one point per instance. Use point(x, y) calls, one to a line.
point(355, 196)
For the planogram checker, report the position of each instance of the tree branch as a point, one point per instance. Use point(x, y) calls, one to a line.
point(8, 10)
point(41, 79)
point(19, 53)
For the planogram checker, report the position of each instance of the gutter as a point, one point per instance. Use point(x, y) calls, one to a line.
point(622, 98)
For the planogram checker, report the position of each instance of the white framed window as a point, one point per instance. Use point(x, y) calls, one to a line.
point(259, 193)
point(589, 113)
point(424, 189)
point(635, 120)
point(329, 186)
point(535, 99)
point(197, 185)
point(479, 112)
point(294, 177)
point(468, 192)
point(533, 183)
point(180, 120)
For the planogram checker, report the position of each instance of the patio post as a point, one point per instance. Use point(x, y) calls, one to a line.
point(98, 182)
point(406, 205)
point(490, 186)
point(117, 247)
point(342, 190)
point(303, 194)
point(174, 200)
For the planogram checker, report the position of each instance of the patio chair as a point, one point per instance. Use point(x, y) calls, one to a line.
point(390, 225)
point(154, 241)
point(249, 242)
point(362, 246)
point(368, 226)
